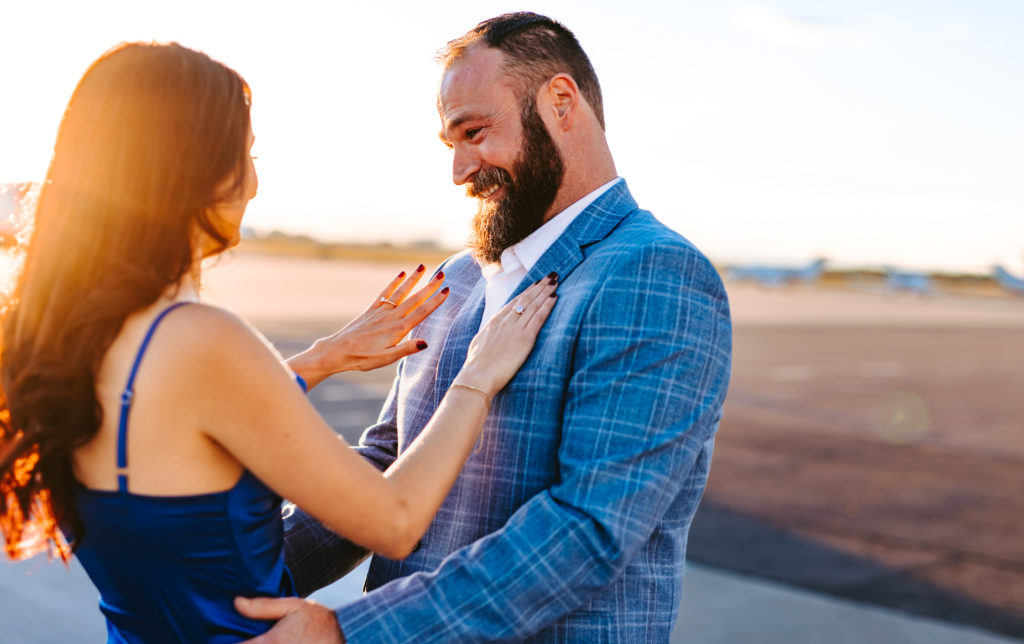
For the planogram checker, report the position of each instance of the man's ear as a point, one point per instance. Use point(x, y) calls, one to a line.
point(563, 96)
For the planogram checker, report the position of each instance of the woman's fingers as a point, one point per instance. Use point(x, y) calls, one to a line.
point(389, 289)
point(397, 289)
point(540, 316)
point(526, 304)
point(390, 355)
point(421, 309)
point(268, 608)
point(426, 291)
point(403, 349)
point(399, 294)
point(547, 287)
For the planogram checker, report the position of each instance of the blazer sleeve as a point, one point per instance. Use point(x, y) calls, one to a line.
point(650, 373)
point(315, 555)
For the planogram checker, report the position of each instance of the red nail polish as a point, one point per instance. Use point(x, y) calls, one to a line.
point(445, 290)
point(419, 269)
point(439, 276)
point(421, 345)
point(401, 275)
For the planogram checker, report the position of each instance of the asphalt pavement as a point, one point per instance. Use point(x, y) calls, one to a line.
point(45, 603)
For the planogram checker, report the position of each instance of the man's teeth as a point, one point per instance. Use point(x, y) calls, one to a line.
point(488, 192)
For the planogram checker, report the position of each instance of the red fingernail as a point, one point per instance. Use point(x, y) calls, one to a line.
point(421, 345)
point(553, 275)
point(554, 295)
point(439, 276)
point(445, 290)
point(419, 269)
point(401, 275)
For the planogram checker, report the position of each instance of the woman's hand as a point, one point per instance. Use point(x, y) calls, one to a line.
point(374, 339)
point(501, 347)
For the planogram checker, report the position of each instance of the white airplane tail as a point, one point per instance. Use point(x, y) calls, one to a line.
point(1007, 280)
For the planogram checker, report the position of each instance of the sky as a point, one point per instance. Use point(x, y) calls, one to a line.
point(870, 132)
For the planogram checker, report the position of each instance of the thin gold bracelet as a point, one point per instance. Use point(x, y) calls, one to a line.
point(475, 390)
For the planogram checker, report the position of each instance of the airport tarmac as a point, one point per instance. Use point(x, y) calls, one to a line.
point(864, 483)
point(44, 603)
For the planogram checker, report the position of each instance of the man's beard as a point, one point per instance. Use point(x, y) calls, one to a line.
point(529, 191)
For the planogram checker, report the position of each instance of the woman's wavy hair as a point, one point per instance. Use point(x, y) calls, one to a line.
point(148, 140)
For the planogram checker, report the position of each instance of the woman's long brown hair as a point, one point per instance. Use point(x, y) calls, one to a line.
point(150, 134)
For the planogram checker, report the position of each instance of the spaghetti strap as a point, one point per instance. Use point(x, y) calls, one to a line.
point(126, 402)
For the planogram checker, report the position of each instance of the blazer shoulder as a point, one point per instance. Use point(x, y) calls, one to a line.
point(642, 228)
point(643, 239)
point(460, 266)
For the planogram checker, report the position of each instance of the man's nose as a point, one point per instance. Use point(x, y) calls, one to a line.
point(464, 165)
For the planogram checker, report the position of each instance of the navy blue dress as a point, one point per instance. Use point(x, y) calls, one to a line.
point(169, 568)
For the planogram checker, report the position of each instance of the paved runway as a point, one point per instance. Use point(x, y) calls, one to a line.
point(45, 604)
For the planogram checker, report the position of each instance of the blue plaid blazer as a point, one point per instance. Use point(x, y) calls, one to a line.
point(570, 522)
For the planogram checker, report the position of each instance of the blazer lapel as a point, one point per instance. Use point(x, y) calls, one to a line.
point(592, 225)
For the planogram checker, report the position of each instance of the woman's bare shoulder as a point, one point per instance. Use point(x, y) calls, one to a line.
point(204, 325)
point(201, 337)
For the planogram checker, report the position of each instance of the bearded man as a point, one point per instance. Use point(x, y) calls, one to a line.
point(569, 523)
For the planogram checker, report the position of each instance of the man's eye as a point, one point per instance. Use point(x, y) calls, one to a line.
point(472, 133)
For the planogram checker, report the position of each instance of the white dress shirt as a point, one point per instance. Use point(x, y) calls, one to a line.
point(516, 261)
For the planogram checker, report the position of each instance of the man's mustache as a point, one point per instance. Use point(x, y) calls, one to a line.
point(486, 179)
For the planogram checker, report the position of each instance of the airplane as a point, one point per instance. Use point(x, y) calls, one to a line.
point(897, 281)
point(1007, 280)
point(778, 276)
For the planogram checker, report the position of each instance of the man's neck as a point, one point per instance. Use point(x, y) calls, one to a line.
point(581, 183)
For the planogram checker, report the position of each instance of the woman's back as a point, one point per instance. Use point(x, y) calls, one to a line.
point(168, 452)
point(169, 566)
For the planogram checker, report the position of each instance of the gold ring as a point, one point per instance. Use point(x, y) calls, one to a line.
point(384, 300)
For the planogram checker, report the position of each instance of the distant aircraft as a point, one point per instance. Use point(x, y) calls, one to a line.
point(897, 281)
point(1007, 280)
point(778, 276)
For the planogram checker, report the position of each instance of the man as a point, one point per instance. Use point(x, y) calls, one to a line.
point(569, 522)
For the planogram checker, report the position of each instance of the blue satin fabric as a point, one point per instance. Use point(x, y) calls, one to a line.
point(168, 568)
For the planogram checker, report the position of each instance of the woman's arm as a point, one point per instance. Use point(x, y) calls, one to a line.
point(249, 405)
point(374, 339)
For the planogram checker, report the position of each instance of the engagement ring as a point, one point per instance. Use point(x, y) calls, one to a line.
point(518, 309)
point(385, 300)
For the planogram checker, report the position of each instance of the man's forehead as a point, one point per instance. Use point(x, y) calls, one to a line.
point(477, 74)
point(477, 60)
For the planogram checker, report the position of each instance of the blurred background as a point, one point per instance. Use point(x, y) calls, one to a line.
point(854, 169)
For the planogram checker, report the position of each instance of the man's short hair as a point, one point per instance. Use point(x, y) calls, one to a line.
point(536, 48)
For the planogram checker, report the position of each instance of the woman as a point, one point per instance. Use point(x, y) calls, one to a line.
point(160, 433)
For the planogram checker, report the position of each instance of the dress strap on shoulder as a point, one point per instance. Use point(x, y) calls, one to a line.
point(126, 401)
